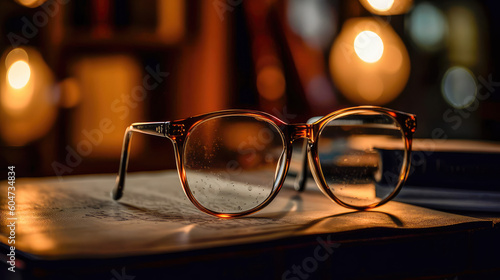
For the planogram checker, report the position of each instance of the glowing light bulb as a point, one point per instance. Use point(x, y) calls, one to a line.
point(19, 74)
point(381, 5)
point(27, 102)
point(355, 77)
point(369, 46)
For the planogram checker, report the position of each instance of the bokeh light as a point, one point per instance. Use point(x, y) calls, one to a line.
point(271, 82)
point(387, 7)
point(31, 3)
point(459, 87)
point(369, 71)
point(368, 46)
point(96, 83)
point(18, 89)
point(381, 5)
point(427, 26)
point(463, 36)
point(69, 91)
point(313, 20)
point(19, 74)
point(15, 55)
point(27, 104)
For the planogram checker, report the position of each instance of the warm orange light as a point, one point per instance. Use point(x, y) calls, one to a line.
point(15, 55)
point(17, 100)
point(369, 62)
point(381, 5)
point(387, 7)
point(31, 3)
point(19, 74)
point(111, 88)
point(368, 46)
point(238, 134)
point(70, 93)
point(28, 223)
point(27, 2)
point(27, 101)
point(271, 82)
point(224, 216)
point(18, 90)
point(171, 27)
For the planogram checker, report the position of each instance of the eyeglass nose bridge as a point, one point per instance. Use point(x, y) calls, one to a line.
point(301, 130)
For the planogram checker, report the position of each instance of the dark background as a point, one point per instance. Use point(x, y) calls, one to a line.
point(87, 58)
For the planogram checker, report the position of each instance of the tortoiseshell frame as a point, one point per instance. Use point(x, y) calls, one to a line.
point(178, 131)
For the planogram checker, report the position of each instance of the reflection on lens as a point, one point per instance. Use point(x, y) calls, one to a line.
point(361, 157)
point(232, 162)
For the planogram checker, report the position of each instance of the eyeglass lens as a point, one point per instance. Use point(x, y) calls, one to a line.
point(361, 157)
point(233, 162)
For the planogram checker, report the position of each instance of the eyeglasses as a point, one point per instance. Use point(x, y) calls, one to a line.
point(233, 163)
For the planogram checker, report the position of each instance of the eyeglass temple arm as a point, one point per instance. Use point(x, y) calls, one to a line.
point(153, 128)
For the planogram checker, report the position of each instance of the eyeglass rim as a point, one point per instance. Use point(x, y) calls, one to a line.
point(313, 152)
point(180, 152)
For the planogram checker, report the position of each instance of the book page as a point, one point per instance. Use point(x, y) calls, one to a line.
point(76, 217)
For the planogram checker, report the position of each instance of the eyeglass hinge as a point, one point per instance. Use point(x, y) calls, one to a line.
point(175, 130)
point(153, 128)
point(411, 124)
